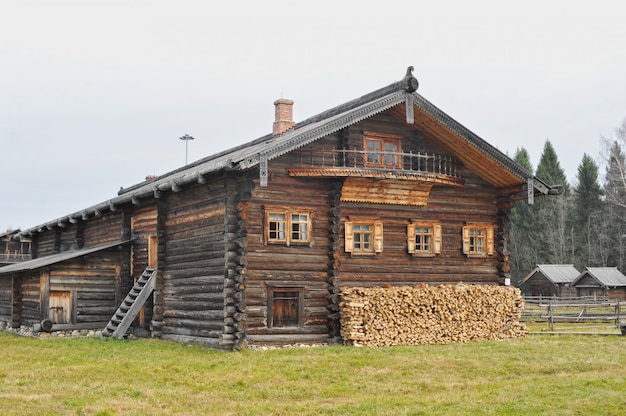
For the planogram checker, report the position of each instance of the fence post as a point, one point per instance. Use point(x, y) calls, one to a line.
point(550, 317)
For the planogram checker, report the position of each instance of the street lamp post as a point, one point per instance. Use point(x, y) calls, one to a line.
point(186, 139)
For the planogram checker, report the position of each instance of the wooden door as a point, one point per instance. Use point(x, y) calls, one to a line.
point(286, 308)
point(60, 307)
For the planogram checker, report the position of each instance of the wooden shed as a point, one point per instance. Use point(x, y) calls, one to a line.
point(252, 245)
point(601, 283)
point(550, 280)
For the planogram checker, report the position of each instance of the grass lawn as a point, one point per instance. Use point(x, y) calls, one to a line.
point(537, 375)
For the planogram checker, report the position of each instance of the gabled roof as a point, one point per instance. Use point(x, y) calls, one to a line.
point(45, 261)
point(402, 101)
point(605, 276)
point(555, 273)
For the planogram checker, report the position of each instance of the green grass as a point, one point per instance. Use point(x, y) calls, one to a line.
point(537, 375)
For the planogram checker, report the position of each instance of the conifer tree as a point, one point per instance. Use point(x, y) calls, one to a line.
point(587, 216)
point(523, 225)
point(554, 234)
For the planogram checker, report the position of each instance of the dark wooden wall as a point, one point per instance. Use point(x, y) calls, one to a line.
point(102, 230)
point(144, 227)
point(6, 298)
point(93, 282)
point(191, 297)
point(28, 287)
point(278, 265)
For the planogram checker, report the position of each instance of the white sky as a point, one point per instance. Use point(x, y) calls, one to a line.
point(95, 94)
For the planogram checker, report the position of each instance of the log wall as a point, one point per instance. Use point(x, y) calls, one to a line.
point(6, 298)
point(297, 265)
point(29, 301)
point(103, 230)
point(191, 295)
point(144, 227)
point(93, 283)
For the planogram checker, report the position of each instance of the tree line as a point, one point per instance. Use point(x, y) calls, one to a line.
point(585, 225)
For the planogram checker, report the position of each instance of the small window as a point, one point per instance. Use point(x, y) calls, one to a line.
point(285, 226)
point(424, 239)
point(382, 150)
point(478, 240)
point(285, 307)
point(363, 237)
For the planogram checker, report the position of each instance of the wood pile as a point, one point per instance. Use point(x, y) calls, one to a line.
point(423, 314)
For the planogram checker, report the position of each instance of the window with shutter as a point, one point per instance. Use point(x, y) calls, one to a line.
point(424, 239)
point(363, 237)
point(478, 240)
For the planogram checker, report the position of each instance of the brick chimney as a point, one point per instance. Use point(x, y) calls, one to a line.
point(284, 116)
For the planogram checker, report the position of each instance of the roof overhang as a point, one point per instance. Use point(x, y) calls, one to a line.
point(56, 258)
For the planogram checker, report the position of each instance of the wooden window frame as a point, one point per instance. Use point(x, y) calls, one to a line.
point(299, 292)
point(382, 153)
point(434, 234)
point(488, 235)
point(376, 243)
point(288, 228)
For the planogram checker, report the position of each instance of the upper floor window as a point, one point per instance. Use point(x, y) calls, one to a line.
point(363, 237)
point(478, 239)
point(286, 226)
point(382, 150)
point(424, 238)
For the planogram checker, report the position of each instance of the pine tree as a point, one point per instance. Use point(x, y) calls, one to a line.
point(523, 225)
point(554, 234)
point(587, 215)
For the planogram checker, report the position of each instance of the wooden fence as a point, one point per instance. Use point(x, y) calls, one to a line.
point(574, 315)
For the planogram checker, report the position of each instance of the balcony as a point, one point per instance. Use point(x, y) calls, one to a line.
point(14, 257)
point(380, 177)
point(423, 167)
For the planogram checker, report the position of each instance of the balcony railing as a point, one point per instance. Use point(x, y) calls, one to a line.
point(14, 257)
point(426, 163)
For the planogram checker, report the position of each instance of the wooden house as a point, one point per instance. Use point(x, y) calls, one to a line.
point(550, 280)
point(252, 245)
point(601, 283)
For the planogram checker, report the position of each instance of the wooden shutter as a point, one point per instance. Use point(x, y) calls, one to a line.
point(490, 241)
point(378, 237)
point(410, 240)
point(437, 238)
point(466, 240)
point(349, 232)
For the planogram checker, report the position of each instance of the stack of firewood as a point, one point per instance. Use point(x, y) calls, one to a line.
point(430, 314)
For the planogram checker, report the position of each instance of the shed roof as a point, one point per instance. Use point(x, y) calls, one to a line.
point(491, 164)
point(56, 258)
point(555, 273)
point(605, 276)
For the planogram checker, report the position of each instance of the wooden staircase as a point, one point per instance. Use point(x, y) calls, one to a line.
point(130, 307)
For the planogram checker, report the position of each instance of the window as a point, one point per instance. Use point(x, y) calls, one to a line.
point(284, 226)
point(478, 240)
point(382, 150)
point(424, 239)
point(363, 237)
point(285, 307)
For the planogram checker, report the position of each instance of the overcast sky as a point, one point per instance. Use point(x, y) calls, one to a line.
point(94, 95)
